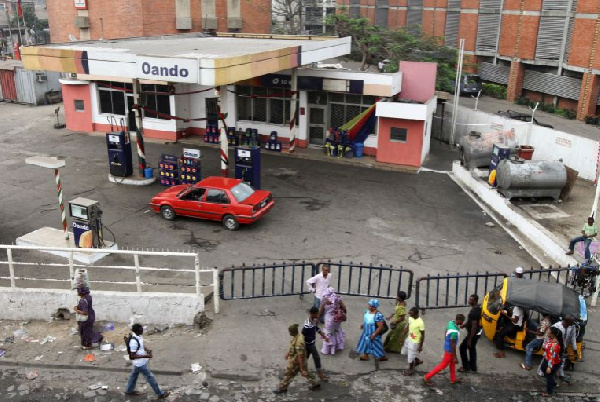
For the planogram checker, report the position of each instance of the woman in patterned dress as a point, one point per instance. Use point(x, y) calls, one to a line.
point(370, 340)
point(331, 307)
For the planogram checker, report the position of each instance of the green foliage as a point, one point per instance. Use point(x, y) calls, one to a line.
point(373, 44)
point(495, 91)
point(592, 120)
point(549, 108)
point(31, 20)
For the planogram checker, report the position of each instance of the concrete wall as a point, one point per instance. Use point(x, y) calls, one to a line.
point(147, 308)
point(576, 152)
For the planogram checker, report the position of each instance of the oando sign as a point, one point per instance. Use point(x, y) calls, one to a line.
point(167, 69)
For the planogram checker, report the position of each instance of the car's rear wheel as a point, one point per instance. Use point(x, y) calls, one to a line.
point(167, 212)
point(230, 223)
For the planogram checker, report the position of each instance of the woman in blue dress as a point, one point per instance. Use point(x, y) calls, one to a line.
point(370, 341)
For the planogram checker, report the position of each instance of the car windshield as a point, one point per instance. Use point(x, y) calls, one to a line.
point(472, 79)
point(242, 191)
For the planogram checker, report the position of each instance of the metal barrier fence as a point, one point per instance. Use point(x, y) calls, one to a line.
point(53, 272)
point(251, 282)
point(436, 292)
point(383, 282)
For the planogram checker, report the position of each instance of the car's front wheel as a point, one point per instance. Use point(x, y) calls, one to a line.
point(230, 222)
point(167, 212)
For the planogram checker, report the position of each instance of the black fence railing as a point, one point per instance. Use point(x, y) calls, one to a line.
point(381, 281)
point(447, 291)
point(250, 282)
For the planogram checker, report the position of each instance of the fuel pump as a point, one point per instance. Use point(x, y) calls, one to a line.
point(247, 165)
point(87, 223)
point(119, 153)
point(499, 152)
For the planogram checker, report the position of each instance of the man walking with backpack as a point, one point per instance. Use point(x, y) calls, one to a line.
point(139, 357)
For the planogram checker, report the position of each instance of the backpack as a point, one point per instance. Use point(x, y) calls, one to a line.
point(127, 339)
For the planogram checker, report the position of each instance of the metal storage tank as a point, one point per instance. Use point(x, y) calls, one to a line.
point(519, 178)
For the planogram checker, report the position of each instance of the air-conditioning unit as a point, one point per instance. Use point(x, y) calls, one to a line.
point(41, 77)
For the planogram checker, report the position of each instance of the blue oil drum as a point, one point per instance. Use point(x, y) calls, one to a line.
point(359, 149)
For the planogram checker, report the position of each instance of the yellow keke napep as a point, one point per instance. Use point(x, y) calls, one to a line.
point(553, 299)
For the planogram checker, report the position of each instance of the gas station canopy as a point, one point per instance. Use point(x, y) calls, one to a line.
point(190, 58)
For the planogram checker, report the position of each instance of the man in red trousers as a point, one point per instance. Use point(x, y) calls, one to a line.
point(450, 346)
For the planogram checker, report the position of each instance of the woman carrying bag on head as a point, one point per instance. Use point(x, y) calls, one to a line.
point(86, 316)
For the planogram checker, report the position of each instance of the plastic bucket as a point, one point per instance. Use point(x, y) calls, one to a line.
point(525, 152)
point(148, 173)
point(359, 149)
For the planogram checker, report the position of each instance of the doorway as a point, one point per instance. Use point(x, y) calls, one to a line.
point(317, 125)
point(131, 121)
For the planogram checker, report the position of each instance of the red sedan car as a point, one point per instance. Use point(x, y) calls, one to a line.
point(215, 198)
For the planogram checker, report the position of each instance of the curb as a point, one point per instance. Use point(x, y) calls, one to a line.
point(544, 240)
point(13, 363)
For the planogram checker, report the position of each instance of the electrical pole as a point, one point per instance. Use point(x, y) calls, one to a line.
point(461, 55)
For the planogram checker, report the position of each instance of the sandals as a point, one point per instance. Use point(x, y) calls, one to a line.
point(364, 359)
point(499, 355)
point(428, 382)
point(407, 373)
point(462, 370)
point(458, 381)
point(525, 367)
point(545, 394)
point(382, 359)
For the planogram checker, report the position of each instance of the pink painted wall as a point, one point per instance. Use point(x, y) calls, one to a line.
point(401, 153)
point(418, 80)
point(77, 120)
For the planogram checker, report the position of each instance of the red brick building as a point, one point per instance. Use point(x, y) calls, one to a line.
point(110, 19)
point(546, 50)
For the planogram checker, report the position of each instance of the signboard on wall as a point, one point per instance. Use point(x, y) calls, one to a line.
point(167, 69)
point(81, 4)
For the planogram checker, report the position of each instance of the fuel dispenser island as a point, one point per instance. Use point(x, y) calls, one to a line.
point(247, 165)
point(87, 223)
point(119, 153)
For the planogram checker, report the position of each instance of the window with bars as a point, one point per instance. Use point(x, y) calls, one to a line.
point(452, 24)
point(345, 107)
point(160, 103)
point(111, 96)
point(272, 110)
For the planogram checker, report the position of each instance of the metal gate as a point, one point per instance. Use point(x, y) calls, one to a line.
point(256, 281)
point(289, 279)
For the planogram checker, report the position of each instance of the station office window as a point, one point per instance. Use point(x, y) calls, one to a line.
point(273, 110)
point(156, 100)
point(112, 100)
point(398, 134)
point(79, 105)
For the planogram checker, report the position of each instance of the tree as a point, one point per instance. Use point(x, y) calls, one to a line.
point(373, 44)
point(289, 12)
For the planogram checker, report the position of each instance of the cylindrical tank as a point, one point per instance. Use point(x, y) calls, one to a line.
point(531, 178)
point(476, 148)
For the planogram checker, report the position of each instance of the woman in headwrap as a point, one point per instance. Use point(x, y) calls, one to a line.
point(334, 311)
point(370, 340)
point(86, 330)
point(395, 338)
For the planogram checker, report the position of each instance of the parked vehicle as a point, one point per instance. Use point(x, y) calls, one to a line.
point(536, 298)
point(470, 84)
point(230, 201)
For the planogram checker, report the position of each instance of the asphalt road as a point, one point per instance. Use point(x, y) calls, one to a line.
point(422, 222)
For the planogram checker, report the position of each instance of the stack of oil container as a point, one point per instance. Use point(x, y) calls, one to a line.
point(273, 144)
point(338, 144)
point(251, 138)
point(232, 137)
point(168, 170)
point(212, 134)
point(189, 170)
